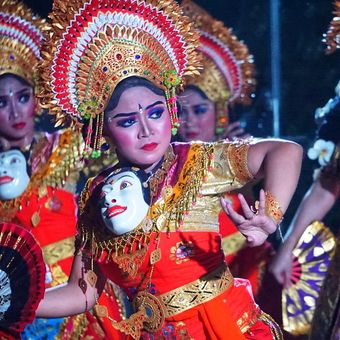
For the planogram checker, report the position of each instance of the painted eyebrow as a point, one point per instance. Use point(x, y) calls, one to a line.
point(14, 153)
point(23, 90)
point(199, 105)
point(26, 89)
point(135, 112)
point(120, 178)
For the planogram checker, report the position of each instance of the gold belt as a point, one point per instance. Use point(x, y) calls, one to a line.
point(183, 298)
point(57, 251)
point(197, 292)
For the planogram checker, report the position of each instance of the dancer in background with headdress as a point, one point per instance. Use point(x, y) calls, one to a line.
point(40, 196)
point(317, 203)
point(115, 66)
point(300, 268)
point(227, 78)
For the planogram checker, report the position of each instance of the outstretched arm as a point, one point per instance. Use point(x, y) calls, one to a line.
point(73, 298)
point(278, 163)
point(317, 202)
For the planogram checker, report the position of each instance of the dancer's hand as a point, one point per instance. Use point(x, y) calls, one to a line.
point(281, 266)
point(234, 130)
point(255, 226)
point(4, 144)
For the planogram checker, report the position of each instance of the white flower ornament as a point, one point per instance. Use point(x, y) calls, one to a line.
point(322, 150)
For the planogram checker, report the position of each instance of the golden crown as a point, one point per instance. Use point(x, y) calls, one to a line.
point(332, 37)
point(93, 45)
point(20, 40)
point(228, 68)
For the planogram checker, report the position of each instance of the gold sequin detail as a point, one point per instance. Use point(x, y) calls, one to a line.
point(237, 154)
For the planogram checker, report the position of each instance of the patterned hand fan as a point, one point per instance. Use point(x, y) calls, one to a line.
point(22, 277)
point(311, 258)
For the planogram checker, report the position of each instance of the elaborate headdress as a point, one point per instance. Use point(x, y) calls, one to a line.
point(228, 69)
point(326, 148)
point(20, 40)
point(95, 44)
point(332, 37)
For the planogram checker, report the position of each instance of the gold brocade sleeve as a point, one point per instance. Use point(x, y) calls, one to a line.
point(56, 160)
point(82, 236)
point(229, 170)
point(84, 195)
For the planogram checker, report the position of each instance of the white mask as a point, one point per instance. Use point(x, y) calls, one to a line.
point(13, 174)
point(123, 206)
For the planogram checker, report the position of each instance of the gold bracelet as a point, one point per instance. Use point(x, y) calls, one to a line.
point(273, 208)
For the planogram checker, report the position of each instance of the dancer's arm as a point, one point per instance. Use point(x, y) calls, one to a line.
point(317, 202)
point(70, 299)
point(278, 163)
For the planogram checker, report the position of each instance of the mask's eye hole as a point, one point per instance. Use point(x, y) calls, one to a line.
point(15, 160)
point(124, 185)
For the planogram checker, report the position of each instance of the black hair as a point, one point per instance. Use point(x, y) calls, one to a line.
point(329, 131)
point(26, 154)
point(91, 212)
point(329, 128)
point(141, 175)
point(127, 83)
point(196, 89)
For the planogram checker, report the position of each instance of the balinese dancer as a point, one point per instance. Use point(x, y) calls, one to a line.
point(227, 78)
point(317, 203)
point(115, 67)
point(38, 171)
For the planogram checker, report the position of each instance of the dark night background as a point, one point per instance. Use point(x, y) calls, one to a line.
point(308, 75)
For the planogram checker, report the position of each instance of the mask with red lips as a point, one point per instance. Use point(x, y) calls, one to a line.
point(14, 178)
point(123, 201)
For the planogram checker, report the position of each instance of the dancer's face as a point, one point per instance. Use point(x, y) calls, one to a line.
point(17, 108)
point(13, 174)
point(122, 203)
point(197, 117)
point(140, 127)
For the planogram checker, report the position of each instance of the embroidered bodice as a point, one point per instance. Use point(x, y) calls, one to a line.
point(47, 207)
point(185, 220)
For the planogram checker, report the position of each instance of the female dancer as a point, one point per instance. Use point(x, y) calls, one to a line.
point(317, 202)
point(44, 202)
point(116, 65)
point(227, 78)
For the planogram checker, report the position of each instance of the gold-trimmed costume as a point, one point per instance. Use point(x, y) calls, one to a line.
point(186, 276)
point(47, 208)
point(80, 71)
point(332, 37)
point(92, 46)
point(326, 321)
point(228, 68)
point(21, 35)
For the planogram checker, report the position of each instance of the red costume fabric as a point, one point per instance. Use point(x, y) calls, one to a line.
point(189, 252)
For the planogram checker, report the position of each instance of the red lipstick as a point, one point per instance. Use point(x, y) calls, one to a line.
point(149, 147)
point(19, 126)
point(5, 179)
point(115, 210)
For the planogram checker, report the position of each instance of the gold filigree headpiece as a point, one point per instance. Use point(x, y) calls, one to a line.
point(20, 40)
point(332, 37)
point(94, 45)
point(228, 68)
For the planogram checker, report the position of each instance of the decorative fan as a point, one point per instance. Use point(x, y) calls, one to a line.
point(311, 258)
point(22, 277)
